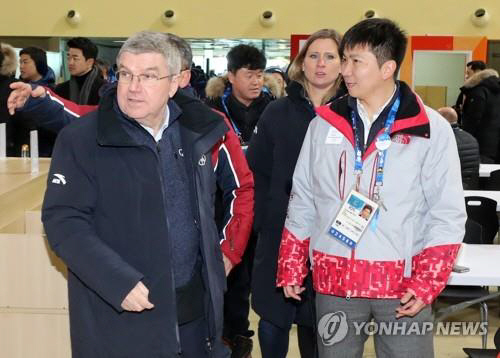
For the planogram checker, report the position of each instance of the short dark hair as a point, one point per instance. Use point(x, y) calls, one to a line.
point(89, 49)
point(245, 56)
point(1, 58)
point(368, 207)
point(476, 65)
point(38, 56)
point(383, 37)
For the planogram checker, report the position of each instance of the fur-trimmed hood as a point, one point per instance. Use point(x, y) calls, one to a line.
point(480, 76)
point(216, 86)
point(8, 66)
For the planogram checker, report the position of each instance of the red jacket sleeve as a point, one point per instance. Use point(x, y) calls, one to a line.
point(430, 271)
point(78, 109)
point(236, 181)
point(292, 260)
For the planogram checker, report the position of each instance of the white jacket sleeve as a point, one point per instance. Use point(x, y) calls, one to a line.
point(446, 215)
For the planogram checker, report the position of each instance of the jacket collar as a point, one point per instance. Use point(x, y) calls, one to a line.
point(478, 77)
point(196, 115)
point(411, 117)
point(201, 127)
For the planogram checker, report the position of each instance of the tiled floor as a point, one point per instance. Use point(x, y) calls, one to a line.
point(444, 346)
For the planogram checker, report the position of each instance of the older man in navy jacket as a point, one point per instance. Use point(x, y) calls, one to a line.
point(129, 208)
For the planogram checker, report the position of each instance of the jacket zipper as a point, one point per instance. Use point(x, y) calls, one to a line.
point(349, 282)
point(193, 169)
point(158, 158)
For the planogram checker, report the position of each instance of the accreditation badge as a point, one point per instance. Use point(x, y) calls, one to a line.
point(353, 218)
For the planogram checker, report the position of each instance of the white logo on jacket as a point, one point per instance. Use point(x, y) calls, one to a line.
point(334, 136)
point(202, 160)
point(59, 179)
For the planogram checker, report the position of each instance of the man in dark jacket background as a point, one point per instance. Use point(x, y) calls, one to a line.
point(241, 94)
point(468, 150)
point(34, 68)
point(86, 80)
point(471, 68)
point(481, 112)
point(18, 126)
point(242, 97)
point(129, 209)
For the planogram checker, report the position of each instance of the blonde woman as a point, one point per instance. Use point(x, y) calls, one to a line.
point(272, 155)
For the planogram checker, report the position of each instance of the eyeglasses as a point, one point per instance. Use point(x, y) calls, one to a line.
point(144, 78)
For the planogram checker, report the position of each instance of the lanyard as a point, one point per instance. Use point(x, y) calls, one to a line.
point(383, 141)
point(225, 97)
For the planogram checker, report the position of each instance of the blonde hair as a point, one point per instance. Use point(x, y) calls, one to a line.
point(295, 72)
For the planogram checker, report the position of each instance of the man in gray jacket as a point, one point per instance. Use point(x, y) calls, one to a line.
point(380, 146)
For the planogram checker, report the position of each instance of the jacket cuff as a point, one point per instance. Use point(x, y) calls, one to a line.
point(232, 255)
point(292, 260)
point(431, 271)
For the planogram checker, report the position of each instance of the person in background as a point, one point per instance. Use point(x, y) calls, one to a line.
point(8, 66)
point(272, 154)
point(86, 79)
point(241, 94)
point(186, 64)
point(468, 150)
point(473, 67)
point(481, 112)
point(242, 97)
point(470, 68)
point(103, 67)
point(34, 68)
point(280, 77)
point(199, 81)
point(378, 143)
point(18, 126)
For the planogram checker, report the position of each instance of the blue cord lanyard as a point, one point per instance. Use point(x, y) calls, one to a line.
point(383, 141)
point(225, 96)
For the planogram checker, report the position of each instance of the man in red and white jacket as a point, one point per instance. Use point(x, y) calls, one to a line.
point(404, 257)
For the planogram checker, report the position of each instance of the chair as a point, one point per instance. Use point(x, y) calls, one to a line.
point(473, 232)
point(493, 182)
point(484, 212)
point(485, 353)
point(462, 297)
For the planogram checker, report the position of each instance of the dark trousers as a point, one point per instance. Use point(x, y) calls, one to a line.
point(193, 336)
point(237, 297)
point(274, 340)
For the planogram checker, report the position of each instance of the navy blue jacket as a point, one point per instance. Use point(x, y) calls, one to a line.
point(104, 216)
point(272, 154)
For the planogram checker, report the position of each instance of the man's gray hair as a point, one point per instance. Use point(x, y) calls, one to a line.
point(184, 49)
point(153, 42)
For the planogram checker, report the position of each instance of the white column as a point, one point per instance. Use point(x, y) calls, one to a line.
point(34, 151)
